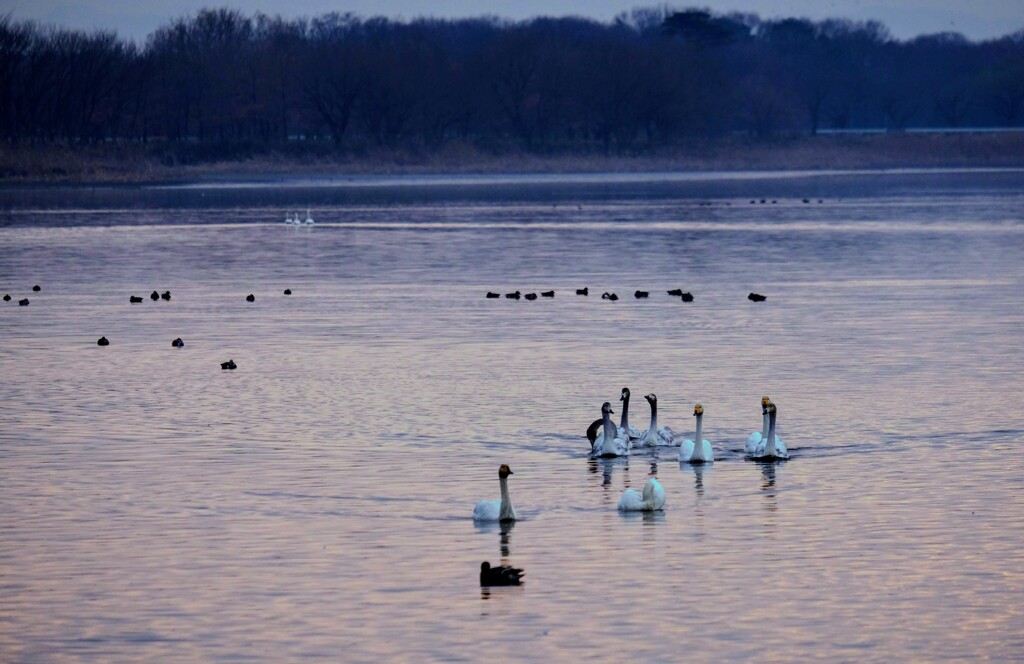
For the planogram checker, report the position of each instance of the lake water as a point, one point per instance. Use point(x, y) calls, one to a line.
point(315, 503)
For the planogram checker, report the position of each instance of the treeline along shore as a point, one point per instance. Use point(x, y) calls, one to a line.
point(656, 88)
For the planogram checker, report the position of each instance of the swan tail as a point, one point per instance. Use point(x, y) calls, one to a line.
point(630, 501)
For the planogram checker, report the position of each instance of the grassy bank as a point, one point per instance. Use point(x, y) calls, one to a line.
point(114, 163)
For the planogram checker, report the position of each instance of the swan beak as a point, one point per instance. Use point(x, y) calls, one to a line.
point(510, 472)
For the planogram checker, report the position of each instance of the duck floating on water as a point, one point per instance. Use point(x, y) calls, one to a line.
point(287, 291)
point(583, 291)
point(166, 295)
point(531, 296)
point(133, 299)
point(609, 296)
point(640, 294)
point(547, 293)
point(757, 297)
point(36, 288)
point(229, 365)
point(491, 295)
point(512, 296)
point(501, 575)
point(154, 296)
point(102, 341)
point(23, 303)
point(250, 298)
point(7, 298)
point(178, 343)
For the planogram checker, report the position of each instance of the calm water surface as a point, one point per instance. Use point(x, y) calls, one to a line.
point(315, 503)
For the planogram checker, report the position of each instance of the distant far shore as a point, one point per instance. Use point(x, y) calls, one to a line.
point(114, 163)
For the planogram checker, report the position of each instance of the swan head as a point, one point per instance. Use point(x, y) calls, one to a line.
point(764, 403)
point(651, 398)
point(770, 408)
point(625, 394)
point(698, 410)
point(606, 408)
point(504, 471)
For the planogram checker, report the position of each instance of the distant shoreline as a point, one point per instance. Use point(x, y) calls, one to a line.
point(188, 163)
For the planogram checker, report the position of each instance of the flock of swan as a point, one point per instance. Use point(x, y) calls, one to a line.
point(608, 440)
point(297, 221)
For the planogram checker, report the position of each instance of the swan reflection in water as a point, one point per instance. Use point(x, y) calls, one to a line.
point(504, 530)
point(505, 538)
point(606, 468)
point(698, 471)
point(768, 486)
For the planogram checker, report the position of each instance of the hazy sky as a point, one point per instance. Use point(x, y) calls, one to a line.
point(977, 19)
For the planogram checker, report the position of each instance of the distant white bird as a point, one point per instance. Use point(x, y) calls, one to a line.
point(609, 443)
point(697, 450)
point(497, 510)
point(654, 436)
point(652, 498)
point(309, 219)
point(771, 446)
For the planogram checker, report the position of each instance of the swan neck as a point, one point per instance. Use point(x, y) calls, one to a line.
point(609, 428)
point(505, 512)
point(625, 413)
point(699, 437)
point(764, 426)
point(654, 417)
point(769, 449)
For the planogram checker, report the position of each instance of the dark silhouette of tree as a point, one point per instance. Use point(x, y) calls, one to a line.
point(222, 83)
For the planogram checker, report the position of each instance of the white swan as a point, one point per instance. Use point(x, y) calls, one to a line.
point(699, 451)
point(626, 430)
point(771, 446)
point(497, 510)
point(309, 219)
point(654, 436)
point(609, 444)
point(754, 439)
point(288, 219)
point(653, 498)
